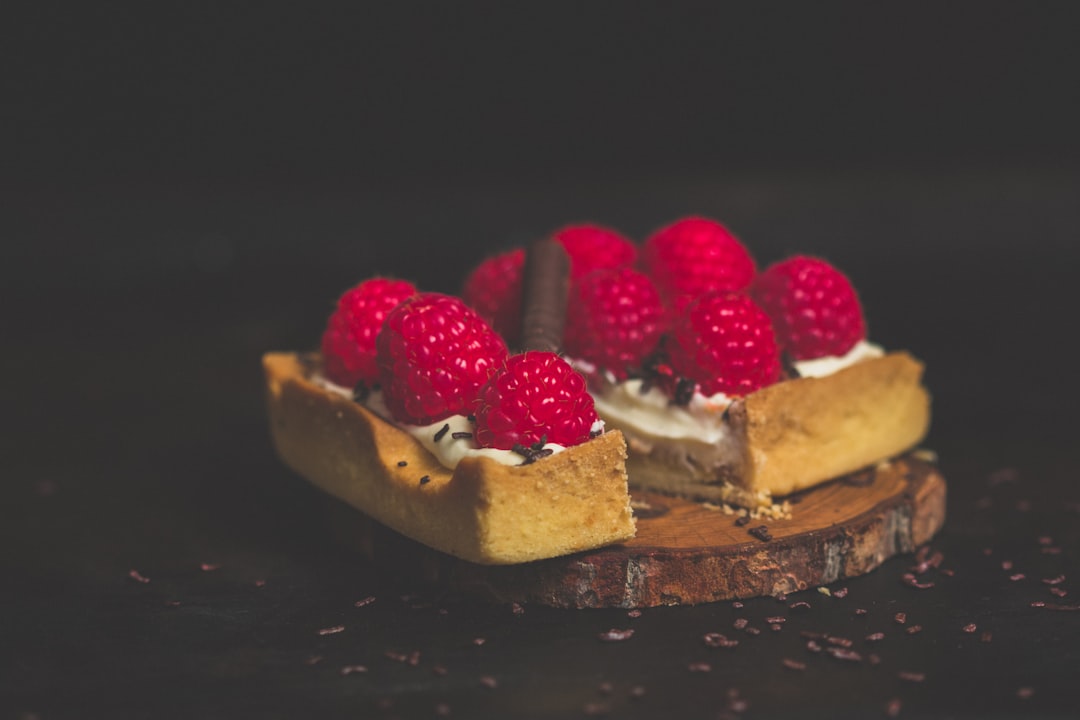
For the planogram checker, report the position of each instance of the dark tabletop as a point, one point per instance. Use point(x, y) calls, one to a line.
point(159, 561)
point(183, 189)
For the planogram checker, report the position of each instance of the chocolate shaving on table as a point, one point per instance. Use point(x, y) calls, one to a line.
point(546, 285)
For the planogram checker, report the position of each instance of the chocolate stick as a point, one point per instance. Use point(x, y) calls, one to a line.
point(546, 285)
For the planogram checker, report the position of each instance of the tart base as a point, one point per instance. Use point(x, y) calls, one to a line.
point(482, 512)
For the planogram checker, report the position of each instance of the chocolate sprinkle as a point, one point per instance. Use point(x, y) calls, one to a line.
point(402, 463)
point(534, 452)
point(684, 391)
point(461, 435)
point(860, 479)
point(742, 520)
point(361, 392)
point(787, 365)
point(442, 432)
point(425, 479)
point(761, 532)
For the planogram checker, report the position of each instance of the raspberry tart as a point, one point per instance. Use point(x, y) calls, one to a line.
point(733, 385)
point(416, 414)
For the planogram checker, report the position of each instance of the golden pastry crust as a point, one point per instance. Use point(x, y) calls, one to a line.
point(482, 511)
point(793, 435)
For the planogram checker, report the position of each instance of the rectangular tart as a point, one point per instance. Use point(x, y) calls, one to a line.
point(482, 511)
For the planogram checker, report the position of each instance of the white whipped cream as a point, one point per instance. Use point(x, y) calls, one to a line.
point(822, 366)
point(448, 449)
point(653, 414)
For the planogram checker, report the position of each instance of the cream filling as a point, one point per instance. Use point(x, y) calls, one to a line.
point(822, 366)
point(448, 449)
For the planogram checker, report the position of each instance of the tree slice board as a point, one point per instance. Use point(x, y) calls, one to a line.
point(687, 552)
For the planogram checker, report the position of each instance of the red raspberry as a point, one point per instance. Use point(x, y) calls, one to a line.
point(493, 289)
point(592, 247)
point(434, 353)
point(617, 319)
point(535, 397)
point(726, 344)
point(813, 306)
point(348, 343)
point(693, 256)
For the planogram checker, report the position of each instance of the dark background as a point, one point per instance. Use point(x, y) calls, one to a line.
point(176, 167)
point(183, 189)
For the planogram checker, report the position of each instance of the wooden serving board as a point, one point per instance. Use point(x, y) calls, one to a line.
point(688, 553)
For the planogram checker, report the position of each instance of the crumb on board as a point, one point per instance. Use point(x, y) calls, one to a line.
point(771, 511)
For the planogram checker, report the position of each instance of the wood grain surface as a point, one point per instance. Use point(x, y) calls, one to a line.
point(689, 553)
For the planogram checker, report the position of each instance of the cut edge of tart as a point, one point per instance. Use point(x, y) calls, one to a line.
point(789, 436)
point(482, 511)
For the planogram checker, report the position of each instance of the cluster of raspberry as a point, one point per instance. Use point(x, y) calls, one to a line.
point(688, 307)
